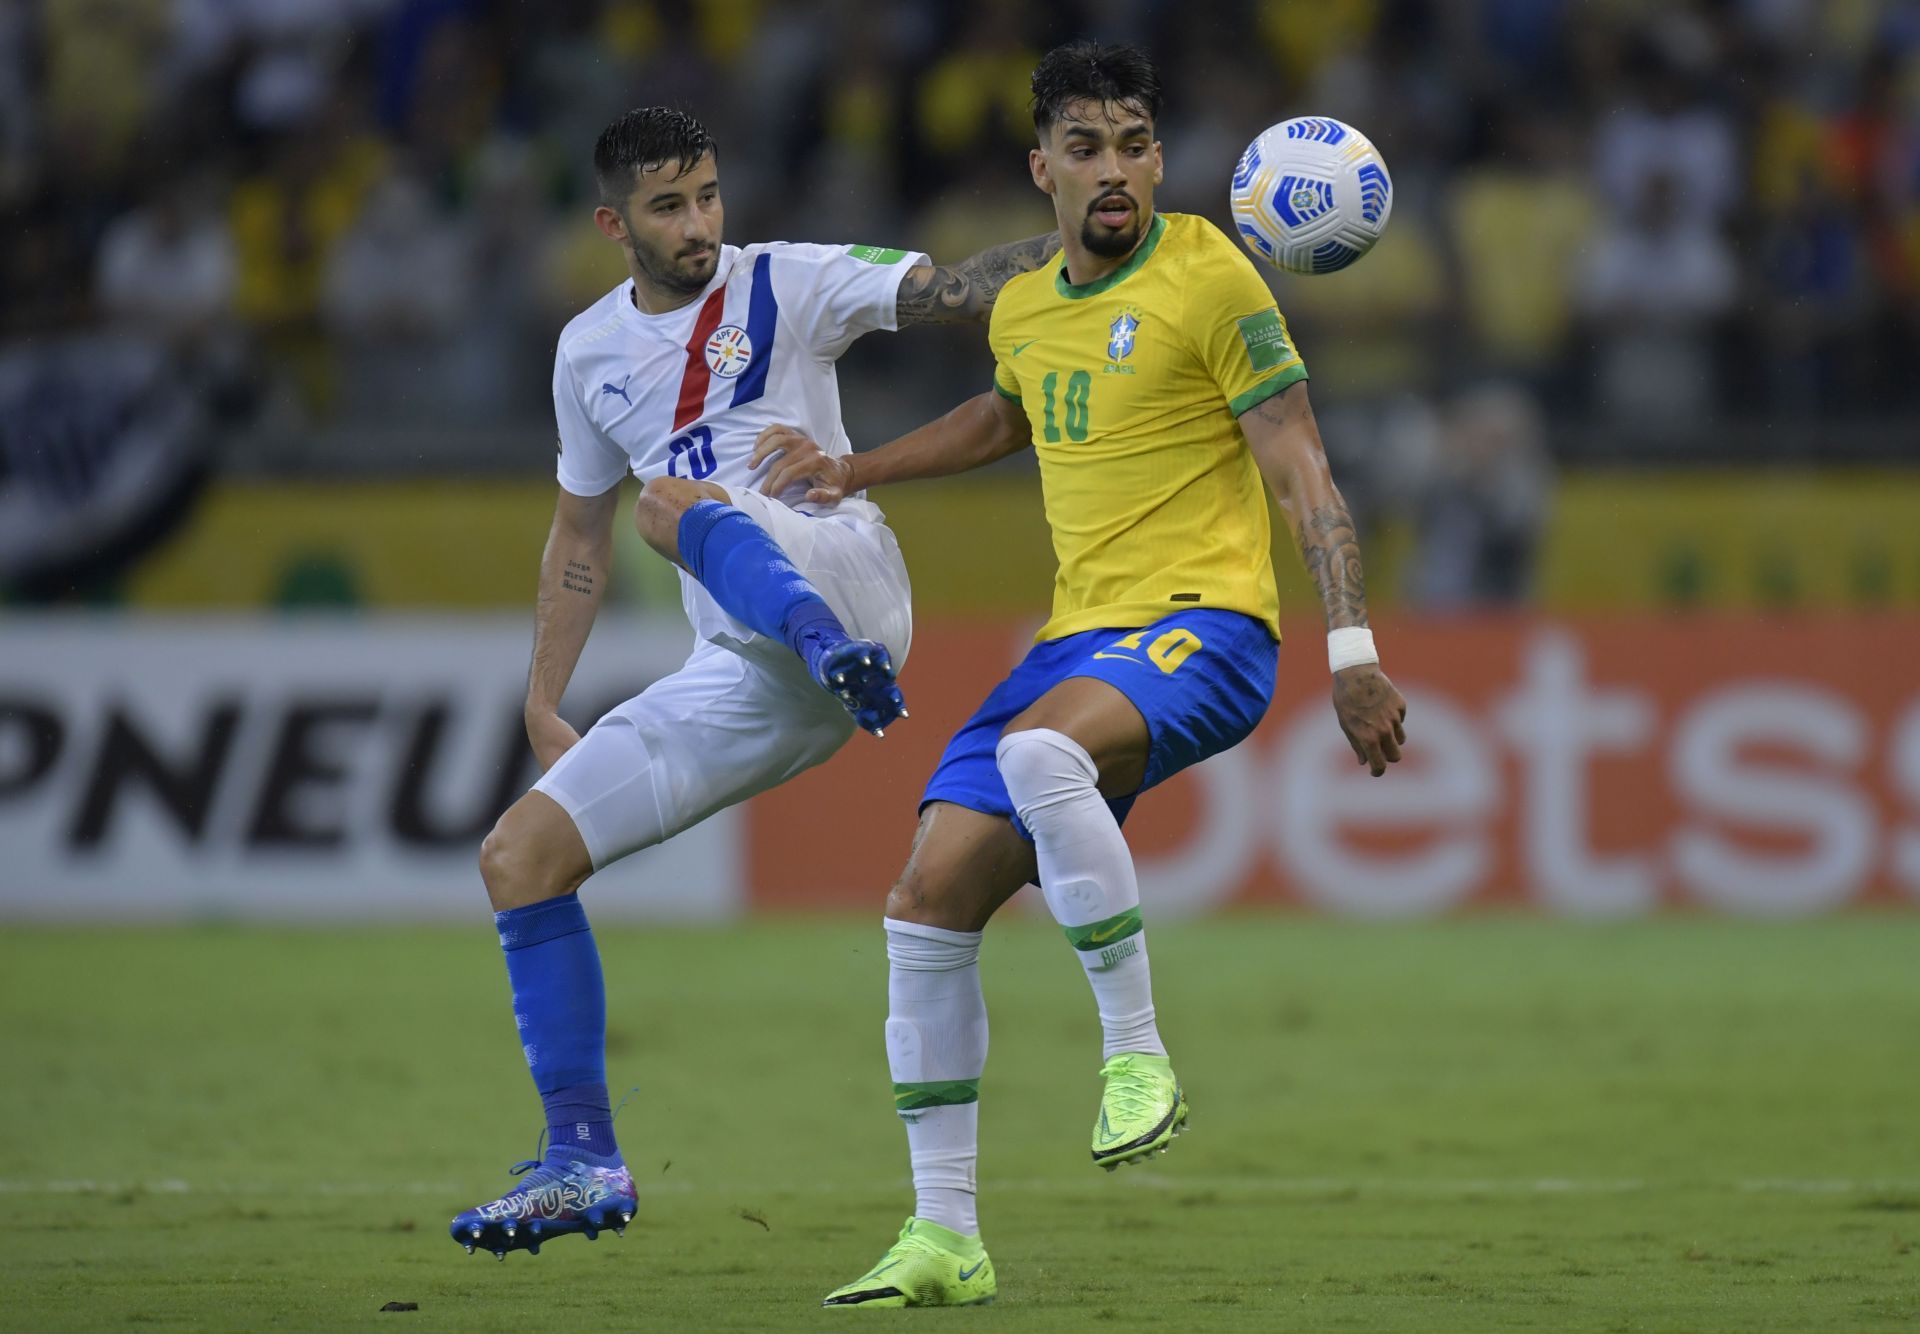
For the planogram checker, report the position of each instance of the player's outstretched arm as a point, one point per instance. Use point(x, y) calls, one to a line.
point(573, 578)
point(951, 293)
point(1286, 445)
point(981, 430)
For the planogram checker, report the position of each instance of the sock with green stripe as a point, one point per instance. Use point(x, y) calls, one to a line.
point(936, 1051)
point(1087, 877)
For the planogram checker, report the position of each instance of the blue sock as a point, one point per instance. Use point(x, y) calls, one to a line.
point(750, 576)
point(560, 1005)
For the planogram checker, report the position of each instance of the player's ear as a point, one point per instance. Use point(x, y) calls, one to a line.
point(1159, 166)
point(611, 224)
point(1037, 164)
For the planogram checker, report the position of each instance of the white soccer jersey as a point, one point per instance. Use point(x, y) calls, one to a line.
point(684, 394)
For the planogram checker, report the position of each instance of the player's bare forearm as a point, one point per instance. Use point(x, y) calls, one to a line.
point(982, 429)
point(1331, 550)
point(573, 578)
point(951, 293)
point(1286, 445)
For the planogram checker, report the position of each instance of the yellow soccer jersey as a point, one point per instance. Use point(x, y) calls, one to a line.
point(1132, 385)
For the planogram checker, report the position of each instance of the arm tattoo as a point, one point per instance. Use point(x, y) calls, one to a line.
point(577, 577)
point(1276, 410)
point(1332, 552)
point(948, 294)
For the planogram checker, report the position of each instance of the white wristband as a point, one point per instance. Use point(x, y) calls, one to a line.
point(1349, 646)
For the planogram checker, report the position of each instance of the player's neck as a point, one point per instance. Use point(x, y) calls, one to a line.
point(651, 300)
point(1083, 266)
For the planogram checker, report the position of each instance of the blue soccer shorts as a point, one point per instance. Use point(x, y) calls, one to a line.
point(1202, 679)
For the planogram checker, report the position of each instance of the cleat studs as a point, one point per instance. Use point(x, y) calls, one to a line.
point(500, 1255)
point(879, 731)
point(904, 713)
point(533, 1228)
point(625, 1217)
point(512, 1230)
point(469, 1248)
point(619, 1232)
point(533, 1248)
point(593, 1234)
point(474, 1232)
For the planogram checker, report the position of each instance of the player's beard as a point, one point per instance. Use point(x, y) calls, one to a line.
point(686, 274)
point(1098, 240)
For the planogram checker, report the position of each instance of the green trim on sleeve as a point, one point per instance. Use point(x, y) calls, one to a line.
point(1010, 397)
point(1266, 389)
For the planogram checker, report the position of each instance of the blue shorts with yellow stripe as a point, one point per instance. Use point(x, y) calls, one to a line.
point(1202, 679)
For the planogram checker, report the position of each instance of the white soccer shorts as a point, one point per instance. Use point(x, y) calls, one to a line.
point(742, 715)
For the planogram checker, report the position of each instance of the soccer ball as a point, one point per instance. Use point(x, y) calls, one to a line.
point(1311, 195)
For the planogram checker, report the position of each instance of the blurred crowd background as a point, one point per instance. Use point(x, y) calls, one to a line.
point(294, 241)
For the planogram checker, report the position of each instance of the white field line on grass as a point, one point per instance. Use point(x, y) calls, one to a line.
point(1235, 1185)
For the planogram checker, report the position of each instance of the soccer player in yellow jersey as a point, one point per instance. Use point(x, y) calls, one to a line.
point(1157, 382)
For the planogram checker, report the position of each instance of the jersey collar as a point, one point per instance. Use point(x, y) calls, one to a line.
point(1140, 255)
point(666, 322)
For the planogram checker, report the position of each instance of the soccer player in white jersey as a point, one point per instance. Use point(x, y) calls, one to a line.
point(800, 609)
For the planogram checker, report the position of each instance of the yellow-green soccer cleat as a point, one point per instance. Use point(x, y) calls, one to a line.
point(1141, 1110)
point(929, 1266)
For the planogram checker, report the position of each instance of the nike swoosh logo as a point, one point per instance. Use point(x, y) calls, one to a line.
point(966, 1274)
point(1018, 348)
point(1123, 657)
point(881, 1270)
point(1096, 937)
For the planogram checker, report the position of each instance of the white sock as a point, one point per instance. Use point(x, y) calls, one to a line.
point(1086, 874)
point(937, 1050)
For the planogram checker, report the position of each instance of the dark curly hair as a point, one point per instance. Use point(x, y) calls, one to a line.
point(642, 140)
point(1096, 71)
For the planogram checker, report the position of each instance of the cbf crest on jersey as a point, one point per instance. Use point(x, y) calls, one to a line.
point(729, 351)
point(1120, 335)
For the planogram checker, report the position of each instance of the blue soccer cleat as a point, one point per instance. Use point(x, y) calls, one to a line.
point(859, 673)
point(576, 1194)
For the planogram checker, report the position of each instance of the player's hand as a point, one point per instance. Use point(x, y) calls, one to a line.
point(552, 736)
point(828, 479)
point(1371, 713)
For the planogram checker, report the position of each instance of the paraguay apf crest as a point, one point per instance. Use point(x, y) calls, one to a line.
point(729, 350)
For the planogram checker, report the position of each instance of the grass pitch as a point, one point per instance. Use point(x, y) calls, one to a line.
point(1479, 1124)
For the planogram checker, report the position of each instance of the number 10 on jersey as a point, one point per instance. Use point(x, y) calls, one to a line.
point(695, 448)
point(1079, 386)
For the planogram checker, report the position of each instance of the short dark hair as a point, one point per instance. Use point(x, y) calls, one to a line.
point(643, 139)
point(1093, 70)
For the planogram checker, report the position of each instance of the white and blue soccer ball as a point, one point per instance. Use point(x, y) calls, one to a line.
point(1311, 195)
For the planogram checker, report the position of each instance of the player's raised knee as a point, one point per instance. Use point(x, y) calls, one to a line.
point(663, 502)
point(656, 516)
